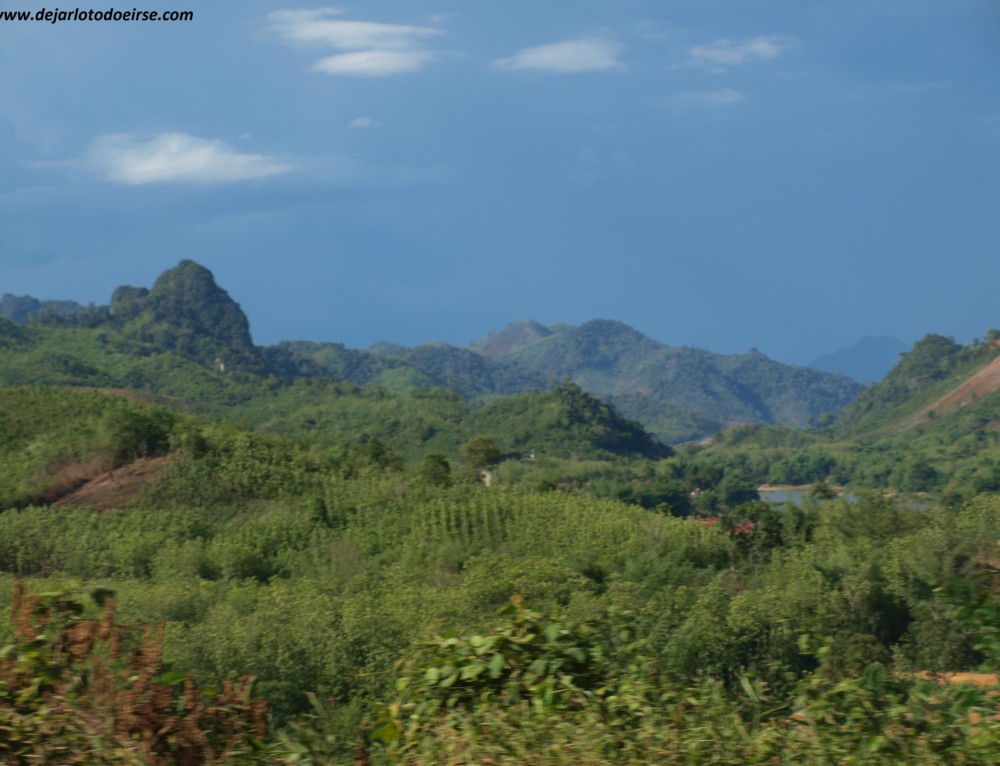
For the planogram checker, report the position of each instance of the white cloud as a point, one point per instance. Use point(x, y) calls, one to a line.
point(373, 63)
point(314, 27)
point(367, 48)
point(362, 122)
point(710, 98)
point(569, 57)
point(726, 52)
point(174, 157)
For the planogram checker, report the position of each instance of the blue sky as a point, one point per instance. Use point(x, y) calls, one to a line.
point(785, 174)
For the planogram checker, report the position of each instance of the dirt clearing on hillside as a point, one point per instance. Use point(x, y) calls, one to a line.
point(111, 489)
point(984, 382)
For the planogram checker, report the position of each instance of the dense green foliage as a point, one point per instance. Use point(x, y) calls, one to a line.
point(414, 578)
point(364, 570)
point(315, 409)
point(611, 359)
point(358, 560)
point(54, 442)
point(544, 690)
point(564, 421)
point(891, 436)
point(188, 313)
point(671, 423)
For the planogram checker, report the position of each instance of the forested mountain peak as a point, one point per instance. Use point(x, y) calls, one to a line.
point(682, 393)
point(512, 338)
point(611, 331)
point(600, 344)
point(568, 422)
point(187, 311)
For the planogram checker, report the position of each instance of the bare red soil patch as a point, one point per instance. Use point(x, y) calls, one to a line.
point(111, 489)
point(984, 382)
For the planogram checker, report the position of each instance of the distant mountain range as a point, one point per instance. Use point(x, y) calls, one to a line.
point(542, 394)
point(677, 393)
point(867, 361)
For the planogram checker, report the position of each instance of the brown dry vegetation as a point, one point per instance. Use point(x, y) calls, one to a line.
point(70, 692)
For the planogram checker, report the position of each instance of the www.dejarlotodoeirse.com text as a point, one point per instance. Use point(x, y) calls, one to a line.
point(56, 15)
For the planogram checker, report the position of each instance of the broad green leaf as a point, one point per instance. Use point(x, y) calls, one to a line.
point(496, 665)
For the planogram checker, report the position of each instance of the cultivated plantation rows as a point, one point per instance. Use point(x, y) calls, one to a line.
point(270, 564)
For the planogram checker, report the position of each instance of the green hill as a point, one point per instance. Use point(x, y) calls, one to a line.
point(932, 426)
point(564, 422)
point(312, 409)
point(430, 365)
point(935, 366)
point(55, 439)
point(615, 361)
point(187, 312)
point(150, 338)
point(511, 339)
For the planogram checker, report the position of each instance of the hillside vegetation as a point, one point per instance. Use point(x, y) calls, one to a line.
point(679, 394)
point(933, 425)
point(935, 366)
point(811, 615)
point(218, 553)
